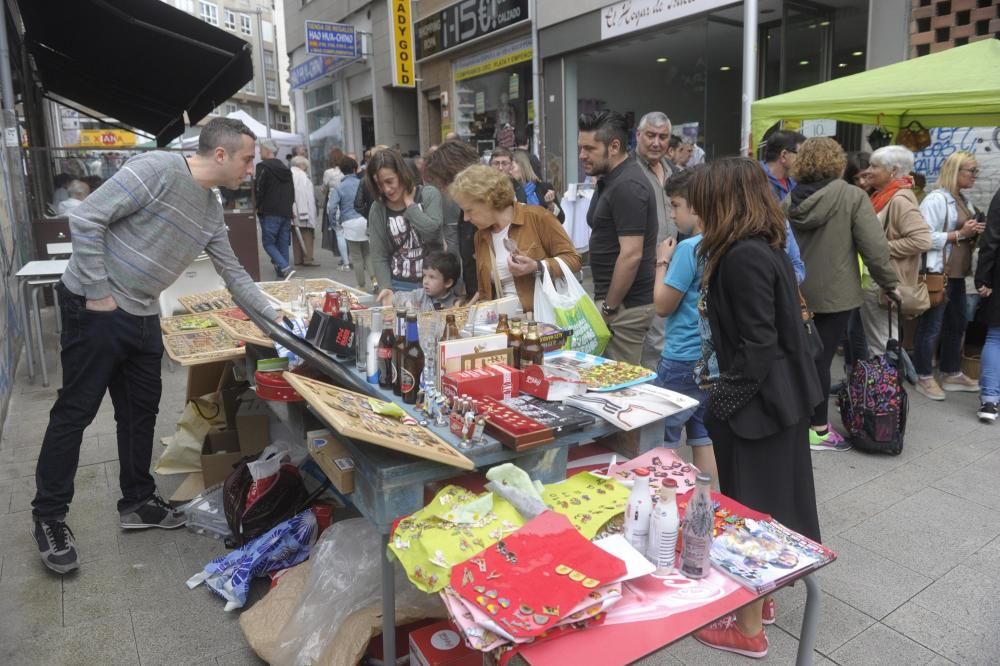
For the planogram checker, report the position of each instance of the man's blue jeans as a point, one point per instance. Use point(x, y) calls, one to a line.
point(989, 375)
point(276, 237)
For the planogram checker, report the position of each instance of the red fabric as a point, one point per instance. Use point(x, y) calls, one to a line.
point(880, 198)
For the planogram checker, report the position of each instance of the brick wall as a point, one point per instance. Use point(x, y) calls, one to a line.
point(936, 25)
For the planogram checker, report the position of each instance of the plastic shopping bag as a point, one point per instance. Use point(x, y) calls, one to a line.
point(183, 452)
point(570, 307)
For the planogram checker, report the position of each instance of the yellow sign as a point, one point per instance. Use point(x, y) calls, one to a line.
point(402, 44)
point(106, 138)
point(493, 64)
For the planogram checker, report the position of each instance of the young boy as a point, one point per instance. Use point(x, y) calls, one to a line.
point(676, 292)
point(441, 272)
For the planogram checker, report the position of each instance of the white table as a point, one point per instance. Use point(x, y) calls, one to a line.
point(37, 275)
point(59, 249)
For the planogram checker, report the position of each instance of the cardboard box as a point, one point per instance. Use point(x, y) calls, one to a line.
point(252, 426)
point(541, 382)
point(496, 381)
point(450, 352)
point(219, 452)
point(205, 379)
point(333, 458)
point(440, 644)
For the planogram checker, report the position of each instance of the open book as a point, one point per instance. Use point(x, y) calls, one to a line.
point(633, 407)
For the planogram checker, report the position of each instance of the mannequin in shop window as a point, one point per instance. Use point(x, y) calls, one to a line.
point(506, 120)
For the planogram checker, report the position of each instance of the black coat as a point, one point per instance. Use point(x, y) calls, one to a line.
point(988, 267)
point(753, 308)
point(273, 188)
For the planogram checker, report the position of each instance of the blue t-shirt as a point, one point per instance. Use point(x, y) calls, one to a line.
point(681, 339)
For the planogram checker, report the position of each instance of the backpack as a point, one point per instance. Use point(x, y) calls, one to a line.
point(282, 500)
point(873, 402)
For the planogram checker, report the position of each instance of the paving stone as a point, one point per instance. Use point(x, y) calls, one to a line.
point(938, 632)
point(986, 560)
point(881, 646)
point(965, 597)
point(29, 604)
point(90, 482)
point(839, 623)
point(242, 657)
point(107, 640)
point(183, 631)
point(17, 470)
point(110, 585)
point(782, 649)
point(867, 581)
point(976, 483)
point(929, 532)
point(854, 507)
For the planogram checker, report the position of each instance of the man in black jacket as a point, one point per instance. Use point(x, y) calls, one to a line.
point(275, 194)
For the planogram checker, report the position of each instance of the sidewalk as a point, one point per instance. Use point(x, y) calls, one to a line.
point(917, 582)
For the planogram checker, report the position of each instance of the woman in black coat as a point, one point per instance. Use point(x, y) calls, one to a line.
point(752, 304)
point(987, 276)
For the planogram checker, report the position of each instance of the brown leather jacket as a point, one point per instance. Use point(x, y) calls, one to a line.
point(908, 234)
point(538, 235)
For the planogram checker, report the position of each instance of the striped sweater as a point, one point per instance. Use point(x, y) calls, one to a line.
point(135, 235)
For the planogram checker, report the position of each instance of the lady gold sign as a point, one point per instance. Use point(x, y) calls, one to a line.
point(402, 44)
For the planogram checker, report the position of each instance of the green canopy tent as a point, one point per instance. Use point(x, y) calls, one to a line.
point(959, 87)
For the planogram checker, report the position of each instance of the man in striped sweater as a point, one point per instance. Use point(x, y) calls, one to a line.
point(132, 238)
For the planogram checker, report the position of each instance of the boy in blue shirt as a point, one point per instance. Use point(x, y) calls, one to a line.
point(676, 292)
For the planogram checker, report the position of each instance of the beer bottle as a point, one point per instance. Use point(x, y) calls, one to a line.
point(413, 362)
point(515, 340)
point(345, 308)
point(450, 328)
point(502, 325)
point(531, 350)
point(397, 351)
point(386, 344)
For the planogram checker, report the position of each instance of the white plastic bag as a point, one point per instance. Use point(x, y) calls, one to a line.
point(570, 307)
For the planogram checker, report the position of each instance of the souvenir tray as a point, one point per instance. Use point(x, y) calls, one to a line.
point(512, 428)
point(206, 346)
point(207, 301)
point(186, 323)
point(241, 328)
point(600, 374)
point(561, 418)
point(284, 291)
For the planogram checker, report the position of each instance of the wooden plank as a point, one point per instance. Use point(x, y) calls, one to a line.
point(351, 415)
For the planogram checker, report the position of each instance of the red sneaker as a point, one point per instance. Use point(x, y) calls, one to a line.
point(769, 612)
point(724, 635)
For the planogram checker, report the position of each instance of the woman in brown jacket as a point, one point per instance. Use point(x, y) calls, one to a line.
point(512, 240)
point(905, 229)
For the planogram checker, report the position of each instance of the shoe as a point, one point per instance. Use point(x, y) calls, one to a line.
point(311, 263)
point(299, 263)
point(987, 412)
point(287, 274)
point(769, 612)
point(154, 512)
point(724, 635)
point(836, 388)
point(56, 545)
point(959, 382)
point(831, 441)
point(929, 388)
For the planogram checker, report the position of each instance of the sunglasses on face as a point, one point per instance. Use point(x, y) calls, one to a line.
point(974, 171)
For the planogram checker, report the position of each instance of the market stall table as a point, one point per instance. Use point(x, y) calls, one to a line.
point(37, 275)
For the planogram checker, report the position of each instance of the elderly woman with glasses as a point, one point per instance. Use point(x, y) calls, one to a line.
point(954, 230)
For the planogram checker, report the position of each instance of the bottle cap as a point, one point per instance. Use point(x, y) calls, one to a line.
point(704, 478)
point(641, 471)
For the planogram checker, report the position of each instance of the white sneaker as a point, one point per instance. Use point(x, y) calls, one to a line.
point(987, 412)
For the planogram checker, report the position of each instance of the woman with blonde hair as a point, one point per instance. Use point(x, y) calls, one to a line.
point(833, 222)
point(954, 230)
point(303, 213)
point(905, 229)
point(514, 242)
point(537, 192)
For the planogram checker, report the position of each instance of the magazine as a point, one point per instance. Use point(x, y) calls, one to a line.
point(633, 407)
point(762, 554)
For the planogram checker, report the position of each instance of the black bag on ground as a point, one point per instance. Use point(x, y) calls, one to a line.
point(280, 501)
point(873, 401)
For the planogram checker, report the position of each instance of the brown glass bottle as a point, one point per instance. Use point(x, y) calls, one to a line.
point(450, 328)
point(413, 362)
point(502, 325)
point(386, 345)
point(531, 349)
point(397, 351)
point(515, 340)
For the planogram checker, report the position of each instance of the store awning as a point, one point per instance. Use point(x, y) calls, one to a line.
point(959, 87)
point(142, 62)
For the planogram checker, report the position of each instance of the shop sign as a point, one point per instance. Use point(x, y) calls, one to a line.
point(330, 39)
point(315, 68)
point(628, 16)
point(818, 127)
point(402, 44)
point(464, 21)
point(109, 138)
point(493, 60)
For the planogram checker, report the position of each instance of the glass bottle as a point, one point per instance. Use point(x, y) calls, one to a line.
point(502, 325)
point(371, 365)
point(413, 362)
point(450, 328)
point(397, 352)
point(515, 340)
point(663, 526)
point(386, 346)
point(531, 349)
point(697, 530)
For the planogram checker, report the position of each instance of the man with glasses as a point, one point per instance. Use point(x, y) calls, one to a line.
point(780, 153)
point(502, 160)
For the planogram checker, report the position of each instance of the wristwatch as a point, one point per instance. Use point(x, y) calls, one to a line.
point(606, 311)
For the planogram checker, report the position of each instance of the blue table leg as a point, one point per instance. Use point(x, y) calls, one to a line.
point(810, 623)
point(388, 606)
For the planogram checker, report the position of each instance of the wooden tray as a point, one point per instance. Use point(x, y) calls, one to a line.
point(198, 347)
point(512, 428)
point(351, 415)
point(186, 323)
point(284, 291)
point(206, 301)
point(240, 329)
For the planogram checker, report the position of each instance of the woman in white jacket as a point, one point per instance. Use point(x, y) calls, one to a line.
point(303, 213)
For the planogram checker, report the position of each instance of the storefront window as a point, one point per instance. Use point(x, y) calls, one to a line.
point(493, 96)
point(325, 127)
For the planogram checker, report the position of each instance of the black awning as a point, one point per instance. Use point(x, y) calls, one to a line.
point(142, 62)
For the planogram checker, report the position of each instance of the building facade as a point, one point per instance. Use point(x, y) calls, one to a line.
point(352, 103)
